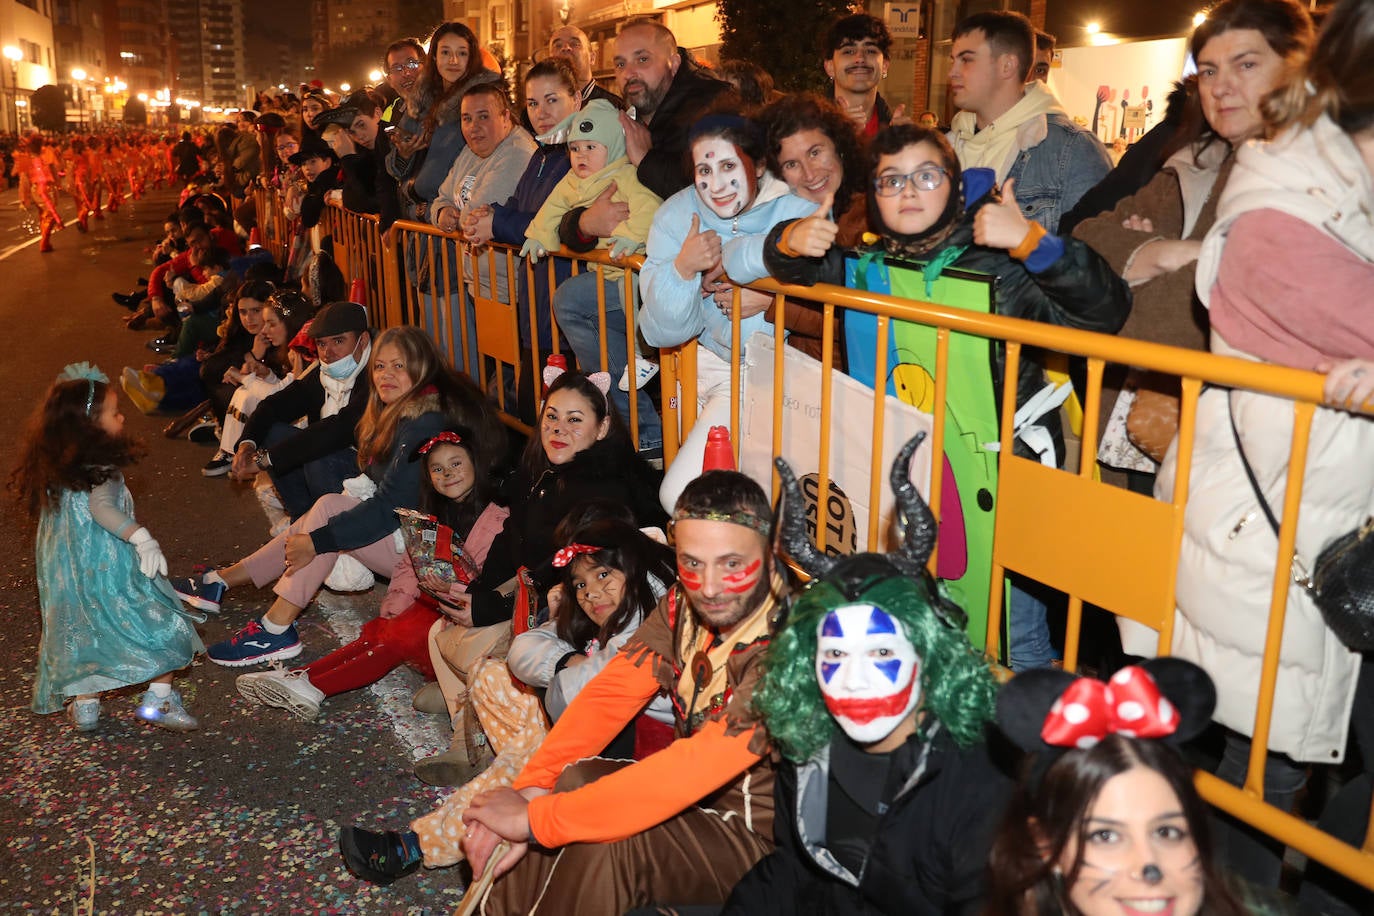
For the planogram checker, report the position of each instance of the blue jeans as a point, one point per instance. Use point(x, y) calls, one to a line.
point(1028, 633)
point(575, 305)
point(300, 487)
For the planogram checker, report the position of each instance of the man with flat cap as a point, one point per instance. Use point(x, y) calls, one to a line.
point(305, 464)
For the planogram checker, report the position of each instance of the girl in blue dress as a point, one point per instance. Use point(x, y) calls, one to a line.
point(110, 619)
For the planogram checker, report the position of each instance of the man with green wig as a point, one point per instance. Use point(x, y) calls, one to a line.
point(887, 799)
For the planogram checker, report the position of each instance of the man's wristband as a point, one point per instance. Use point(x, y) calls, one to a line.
point(262, 459)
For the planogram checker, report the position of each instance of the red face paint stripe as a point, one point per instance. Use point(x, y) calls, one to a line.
point(865, 711)
point(690, 579)
point(743, 581)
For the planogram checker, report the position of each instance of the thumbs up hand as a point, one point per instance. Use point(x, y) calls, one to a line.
point(1001, 225)
point(700, 251)
point(812, 237)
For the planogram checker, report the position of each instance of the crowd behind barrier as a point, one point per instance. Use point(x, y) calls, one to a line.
point(1110, 548)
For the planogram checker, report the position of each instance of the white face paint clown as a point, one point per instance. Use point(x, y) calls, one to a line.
point(868, 671)
point(726, 179)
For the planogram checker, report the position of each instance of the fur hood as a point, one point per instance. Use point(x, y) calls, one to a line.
point(427, 402)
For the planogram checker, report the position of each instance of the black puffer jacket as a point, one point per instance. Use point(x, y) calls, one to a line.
point(929, 852)
point(692, 91)
point(608, 470)
point(1079, 290)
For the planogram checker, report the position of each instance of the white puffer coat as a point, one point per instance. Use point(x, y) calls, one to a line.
point(1225, 581)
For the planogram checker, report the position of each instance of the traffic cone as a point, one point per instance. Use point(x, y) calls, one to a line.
point(357, 292)
point(557, 360)
point(254, 238)
point(720, 454)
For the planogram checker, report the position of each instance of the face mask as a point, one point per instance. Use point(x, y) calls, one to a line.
point(341, 368)
point(867, 670)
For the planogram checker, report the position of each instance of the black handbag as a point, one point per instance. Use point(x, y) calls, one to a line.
point(1342, 582)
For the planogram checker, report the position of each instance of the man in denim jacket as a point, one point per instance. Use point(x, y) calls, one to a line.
point(1017, 129)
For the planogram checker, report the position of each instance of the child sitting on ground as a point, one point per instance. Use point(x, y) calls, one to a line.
point(596, 149)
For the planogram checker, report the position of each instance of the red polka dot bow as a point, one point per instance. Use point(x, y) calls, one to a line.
point(444, 437)
point(1130, 704)
point(571, 552)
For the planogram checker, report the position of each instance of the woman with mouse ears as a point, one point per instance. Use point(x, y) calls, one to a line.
point(1105, 818)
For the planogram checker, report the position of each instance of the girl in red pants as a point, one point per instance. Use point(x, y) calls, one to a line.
point(455, 493)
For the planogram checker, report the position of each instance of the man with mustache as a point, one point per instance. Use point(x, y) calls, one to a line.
point(682, 825)
point(856, 59)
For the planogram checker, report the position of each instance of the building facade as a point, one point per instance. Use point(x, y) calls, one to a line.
point(209, 66)
point(29, 61)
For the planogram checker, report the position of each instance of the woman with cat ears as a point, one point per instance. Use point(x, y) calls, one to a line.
point(1105, 818)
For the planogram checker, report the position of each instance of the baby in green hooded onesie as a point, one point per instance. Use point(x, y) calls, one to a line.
point(596, 149)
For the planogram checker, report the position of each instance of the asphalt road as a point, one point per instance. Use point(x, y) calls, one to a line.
point(241, 816)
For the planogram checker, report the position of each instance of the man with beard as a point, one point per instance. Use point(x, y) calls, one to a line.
point(667, 93)
point(856, 60)
point(682, 825)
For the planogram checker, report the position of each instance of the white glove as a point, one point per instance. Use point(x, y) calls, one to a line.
point(151, 562)
point(532, 250)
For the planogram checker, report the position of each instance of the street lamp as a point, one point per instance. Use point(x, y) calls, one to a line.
point(375, 77)
point(344, 87)
point(14, 56)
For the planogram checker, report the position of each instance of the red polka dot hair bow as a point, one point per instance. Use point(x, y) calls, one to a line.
point(451, 438)
point(1129, 704)
point(571, 552)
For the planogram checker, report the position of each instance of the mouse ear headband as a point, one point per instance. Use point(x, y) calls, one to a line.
point(1049, 712)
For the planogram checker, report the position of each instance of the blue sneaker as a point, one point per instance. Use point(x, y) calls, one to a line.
point(199, 594)
point(253, 644)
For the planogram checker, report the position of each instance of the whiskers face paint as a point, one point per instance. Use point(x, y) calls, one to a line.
point(1137, 856)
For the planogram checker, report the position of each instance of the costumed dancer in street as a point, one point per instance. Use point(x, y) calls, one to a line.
point(110, 618)
point(43, 186)
point(1105, 819)
point(887, 799)
point(80, 177)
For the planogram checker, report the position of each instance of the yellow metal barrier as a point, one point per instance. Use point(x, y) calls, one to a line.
point(1111, 548)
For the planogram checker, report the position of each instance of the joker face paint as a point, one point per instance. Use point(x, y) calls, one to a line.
point(726, 179)
point(868, 671)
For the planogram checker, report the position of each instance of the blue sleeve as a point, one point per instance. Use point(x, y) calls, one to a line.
point(375, 518)
point(1049, 250)
point(671, 310)
point(508, 221)
point(743, 256)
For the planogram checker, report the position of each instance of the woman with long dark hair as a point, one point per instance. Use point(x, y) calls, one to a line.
point(1105, 818)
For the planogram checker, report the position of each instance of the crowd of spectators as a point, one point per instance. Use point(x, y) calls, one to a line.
point(640, 725)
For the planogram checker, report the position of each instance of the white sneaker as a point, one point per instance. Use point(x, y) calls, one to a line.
point(85, 714)
point(349, 575)
point(645, 370)
point(247, 684)
point(290, 690)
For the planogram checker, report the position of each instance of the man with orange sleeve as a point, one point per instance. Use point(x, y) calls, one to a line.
point(684, 824)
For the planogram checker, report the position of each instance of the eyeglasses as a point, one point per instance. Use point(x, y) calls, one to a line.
point(397, 69)
point(927, 179)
